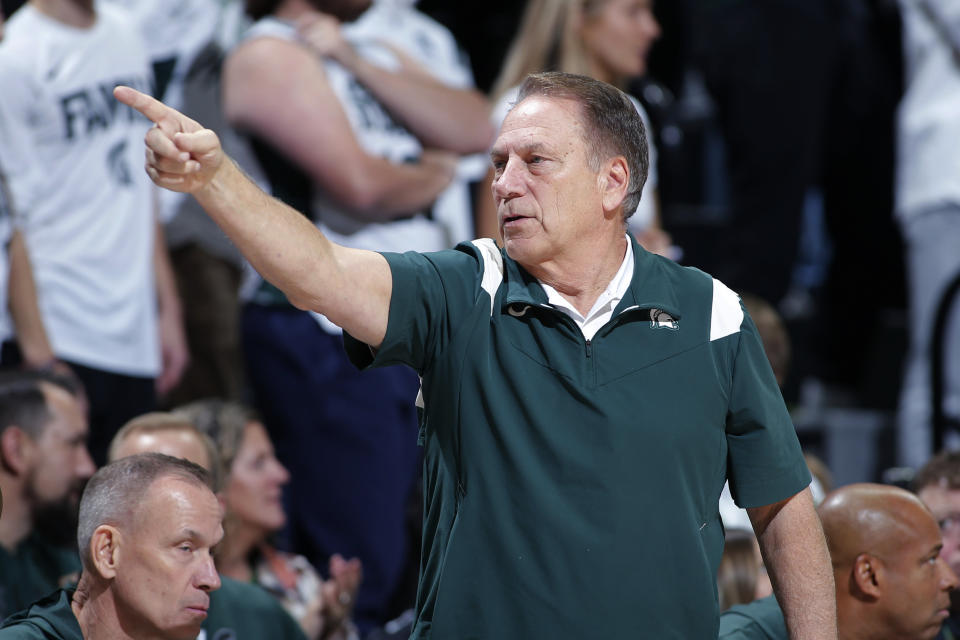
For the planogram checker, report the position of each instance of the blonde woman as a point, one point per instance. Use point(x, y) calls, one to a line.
point(605, 39)
point(253, 480)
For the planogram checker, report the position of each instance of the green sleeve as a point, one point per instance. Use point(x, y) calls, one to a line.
point(431, 292)
point(759, 620)
point(765, 463)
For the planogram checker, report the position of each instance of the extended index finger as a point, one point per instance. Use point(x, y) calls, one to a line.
point(152, 108)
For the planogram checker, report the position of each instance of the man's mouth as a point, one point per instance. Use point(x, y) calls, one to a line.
point(200, 607)
point(944, 610)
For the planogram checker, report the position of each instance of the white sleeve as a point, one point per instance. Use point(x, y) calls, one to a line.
point(17, 154)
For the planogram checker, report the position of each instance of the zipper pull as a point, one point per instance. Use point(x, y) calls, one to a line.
point(589, 344)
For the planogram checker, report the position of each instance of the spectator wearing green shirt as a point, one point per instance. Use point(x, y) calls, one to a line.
point(147, 527)
point(43, 465)
point(891, 579)
point(238, 610)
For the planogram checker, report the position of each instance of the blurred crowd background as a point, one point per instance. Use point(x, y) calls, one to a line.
point(806, 153)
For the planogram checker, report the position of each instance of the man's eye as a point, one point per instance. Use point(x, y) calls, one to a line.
point(536, 159)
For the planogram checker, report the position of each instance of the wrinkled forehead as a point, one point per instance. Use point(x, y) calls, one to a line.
point(913, 532)
point(541, 120)
point(172, 502)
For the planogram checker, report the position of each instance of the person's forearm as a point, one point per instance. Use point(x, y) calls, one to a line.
point(281, 244)
point(382, 190)
point(168, 301)
point(443, 117)
point(24, 311)
point(172, 333)
point(795, 554)
point(351, 287)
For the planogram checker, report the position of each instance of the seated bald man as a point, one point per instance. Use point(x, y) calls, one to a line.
point(147, 527)
point(891, 581)
point(238, 611)
point(169, 434)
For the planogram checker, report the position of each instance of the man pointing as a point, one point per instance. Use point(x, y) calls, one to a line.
point(584, 401)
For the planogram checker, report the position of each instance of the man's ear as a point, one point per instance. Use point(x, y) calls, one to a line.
point(867, 575)
point(15, 450)
point(614, 183)
point(105, 550)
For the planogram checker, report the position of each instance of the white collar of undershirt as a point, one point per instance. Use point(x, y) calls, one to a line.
point(603, 308)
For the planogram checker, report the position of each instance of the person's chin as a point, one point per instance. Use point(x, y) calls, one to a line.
point(275, 524)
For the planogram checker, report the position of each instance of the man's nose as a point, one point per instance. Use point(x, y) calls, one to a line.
point(280, 472)
point(508, 184)
point(85, 466)
point(208, 579)
point(947, 577)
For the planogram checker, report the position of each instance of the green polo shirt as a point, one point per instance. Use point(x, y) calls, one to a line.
point(238, 611)
point(33, 570)
point(572, 486)
point(242, 611)
point(50, 618)
point(759, 620)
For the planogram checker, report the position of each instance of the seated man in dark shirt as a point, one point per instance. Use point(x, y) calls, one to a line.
point(43, 465)
point(147, 527)
point(891, 581)
point(238, 610)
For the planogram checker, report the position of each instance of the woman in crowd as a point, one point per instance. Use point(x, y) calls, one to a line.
point(252, 493)
point(605, 39)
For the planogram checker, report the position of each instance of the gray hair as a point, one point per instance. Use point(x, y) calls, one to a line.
point(113, 493)
point(612, 126)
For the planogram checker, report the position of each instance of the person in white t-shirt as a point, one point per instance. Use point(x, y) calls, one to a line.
point(19, 315)
point(72, 157)
point(186, 41)
point(607, 40)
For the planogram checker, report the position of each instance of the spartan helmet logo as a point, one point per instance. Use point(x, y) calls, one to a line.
point(518, 310)
point(662, 320)
point(117, 165)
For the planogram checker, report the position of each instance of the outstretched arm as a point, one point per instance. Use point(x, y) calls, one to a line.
point(174, 353)
point(352, 287)
point(795, 554)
